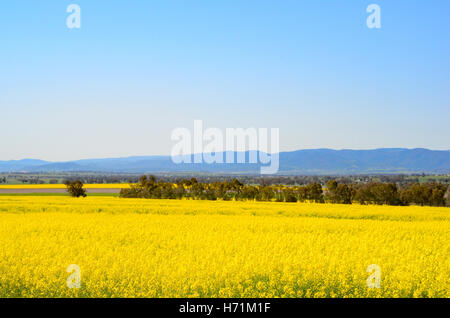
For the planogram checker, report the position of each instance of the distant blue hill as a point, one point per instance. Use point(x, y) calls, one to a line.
point(311, 161)
point(20, 165)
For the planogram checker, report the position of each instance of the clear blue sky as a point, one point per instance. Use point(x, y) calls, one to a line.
point(138, 69)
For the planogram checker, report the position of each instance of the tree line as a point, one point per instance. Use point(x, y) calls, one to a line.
point(431, 193)
point(293, 180)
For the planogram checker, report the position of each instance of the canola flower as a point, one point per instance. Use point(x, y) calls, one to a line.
point(182, 248)
point(63, 186)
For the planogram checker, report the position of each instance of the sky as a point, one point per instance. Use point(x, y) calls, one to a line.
point(136, 70)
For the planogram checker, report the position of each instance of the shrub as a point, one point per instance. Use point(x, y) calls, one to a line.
point(75, 188)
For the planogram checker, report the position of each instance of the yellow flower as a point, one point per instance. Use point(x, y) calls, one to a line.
point(187, 248)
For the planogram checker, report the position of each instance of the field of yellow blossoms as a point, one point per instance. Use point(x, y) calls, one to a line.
point(163, 248)
point(63, 186)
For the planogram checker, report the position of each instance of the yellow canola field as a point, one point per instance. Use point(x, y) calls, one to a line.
point(62, 186)
point(164, 248)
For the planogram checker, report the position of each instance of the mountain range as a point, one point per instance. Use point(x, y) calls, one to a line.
point(310, 161)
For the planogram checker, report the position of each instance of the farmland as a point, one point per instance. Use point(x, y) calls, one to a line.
point(188, 248)
point(59, 189)
point(62, 186)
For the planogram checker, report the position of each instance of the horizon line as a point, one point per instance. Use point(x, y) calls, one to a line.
point(223, 151)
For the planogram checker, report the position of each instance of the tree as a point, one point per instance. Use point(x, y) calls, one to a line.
point(302, 193)
point(332, 185)
point(331, 191)
point(343, 194)
point(438, 195)
point(289, 195)
point(363, 194)
point(425, 194)
point(342, 191)
point(266, 193)
point(249, 192)
point(417, 193)
point(315, 192)
point(75, 188)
